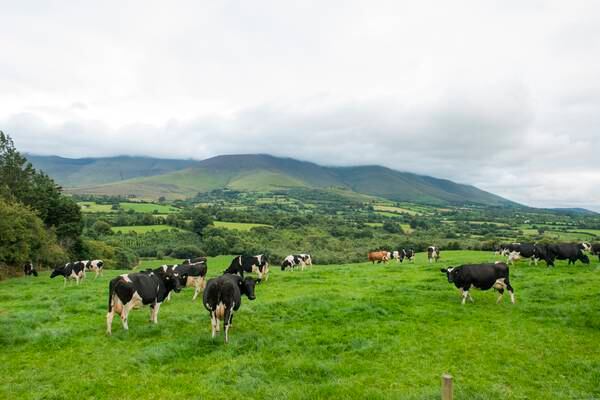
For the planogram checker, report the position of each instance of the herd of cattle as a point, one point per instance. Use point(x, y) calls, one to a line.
point(222, 295)
point(549, 252)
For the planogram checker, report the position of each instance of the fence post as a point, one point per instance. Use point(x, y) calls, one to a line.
point(446, 387)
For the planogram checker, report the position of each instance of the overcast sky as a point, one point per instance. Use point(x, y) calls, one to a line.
point(504, 95)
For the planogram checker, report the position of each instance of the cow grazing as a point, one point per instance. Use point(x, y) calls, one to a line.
point(517, 251)
point(223, 296)
point(146, 288)
point(379, 256)
point(241, 264)
point(296, 260)
point(400, 255)
point(433, 253)
point(28, 269)
point(291, 262)
point(72, 270)
point(190, 275)
point(306, 258)
point(567, 251)
point(480, 276)
point(94, 265)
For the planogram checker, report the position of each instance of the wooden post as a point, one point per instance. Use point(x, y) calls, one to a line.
point(446, 387)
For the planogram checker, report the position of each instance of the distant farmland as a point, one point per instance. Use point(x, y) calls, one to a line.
point(93, 207)
point(144, 228)
point(240, 226)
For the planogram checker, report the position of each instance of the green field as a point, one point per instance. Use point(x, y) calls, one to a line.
point(143, 228)
point(240, 226)
point(93, 207)
point(341, 332)
point(149, 208)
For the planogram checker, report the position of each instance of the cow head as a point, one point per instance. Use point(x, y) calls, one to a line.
point(585, 246)
point(452, 273)
point(247, 287)
point(171, 280)
point(584, 258)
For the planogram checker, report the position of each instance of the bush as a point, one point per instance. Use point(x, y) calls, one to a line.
point(187, 251)
point(125, 258)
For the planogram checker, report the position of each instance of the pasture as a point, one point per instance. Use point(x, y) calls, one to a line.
point(144, 228)
point(240, 226)
point(93, 207)
point(337, 331)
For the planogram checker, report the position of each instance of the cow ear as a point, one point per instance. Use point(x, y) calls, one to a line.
point(443, 270)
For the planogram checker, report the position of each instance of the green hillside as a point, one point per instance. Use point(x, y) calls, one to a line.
point(70, 172)
point(253, 172)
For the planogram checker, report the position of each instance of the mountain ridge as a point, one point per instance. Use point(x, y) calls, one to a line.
point(149, 177)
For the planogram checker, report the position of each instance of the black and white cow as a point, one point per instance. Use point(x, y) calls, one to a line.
point(567, 251)
point(517, 251)
point(291, 262)
point(306, 258)
point(241, 264)
point(433, 253)
point(73, 270)
point(145, 288)
point(28, 269)
point(296, 260)
point(94, 265)
point(402, 254)
point(190, 275)
point(480, 276)
point(223, 296)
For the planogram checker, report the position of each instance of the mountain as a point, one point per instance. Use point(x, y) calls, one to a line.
point(77, 172)
point(152, 178)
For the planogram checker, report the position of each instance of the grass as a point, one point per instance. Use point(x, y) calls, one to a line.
point(240, 226)
point(340, 331)
point(93, 207)
point(149, 208)
point(143, 228)
point(393, 209)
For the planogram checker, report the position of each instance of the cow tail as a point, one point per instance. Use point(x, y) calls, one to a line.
point(111, 292)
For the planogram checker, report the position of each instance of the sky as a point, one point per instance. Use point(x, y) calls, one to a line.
point(504, 95)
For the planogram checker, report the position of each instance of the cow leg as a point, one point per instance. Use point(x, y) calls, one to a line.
point(169, 296)
point(196, 289)
point(65, 284)
point(465, 294)
point(501, 294)
point(125, 313)
point(227, 321)
point(510, 291)
point(109, 319)
point(156, 309)
point(213, 323)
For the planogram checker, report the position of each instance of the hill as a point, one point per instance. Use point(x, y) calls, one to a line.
point(77, 172)
point(152, 178)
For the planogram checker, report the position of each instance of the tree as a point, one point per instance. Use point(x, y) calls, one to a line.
point(102, 227)
point(200, 220)
point(20, 182)
point(23, 237)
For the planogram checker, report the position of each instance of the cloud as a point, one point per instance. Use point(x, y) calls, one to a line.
point(504, 97)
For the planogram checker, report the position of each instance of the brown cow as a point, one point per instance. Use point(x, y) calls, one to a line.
point(379, 256)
